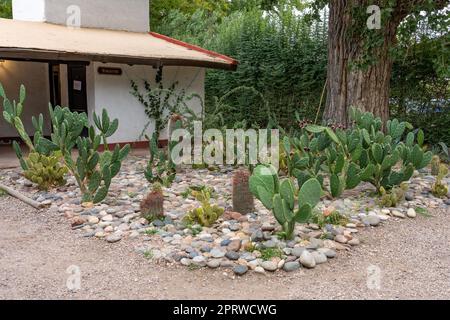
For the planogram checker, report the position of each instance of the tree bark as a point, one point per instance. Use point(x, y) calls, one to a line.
point(366, 88)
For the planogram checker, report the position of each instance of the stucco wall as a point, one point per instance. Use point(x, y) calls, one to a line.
point(35, 77)
point(29, 10)
point(113, 93)
point(129, 15)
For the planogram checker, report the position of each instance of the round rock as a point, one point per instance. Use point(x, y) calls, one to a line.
point(216, 253)
point(411, 213)
point(319, 257)
point(291, 266)
point(240, 270)
point(307, 259)
point(269, 266)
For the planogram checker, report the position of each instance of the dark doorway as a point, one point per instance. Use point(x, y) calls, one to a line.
point(76, 75)
point(77, 88)
point(55, 84)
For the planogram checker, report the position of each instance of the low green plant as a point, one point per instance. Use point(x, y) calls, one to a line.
point(148, 254)
point(280, 197)
point(270, 253)
point(423, 211)
point(195, 228)
point(207, 214)
point(334, 218)
point(151, 232)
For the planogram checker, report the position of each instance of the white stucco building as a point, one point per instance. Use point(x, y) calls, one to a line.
point(84, 53)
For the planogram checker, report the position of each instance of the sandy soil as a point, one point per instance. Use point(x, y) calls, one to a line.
point(36, 248)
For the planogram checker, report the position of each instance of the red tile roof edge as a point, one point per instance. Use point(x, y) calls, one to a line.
point(231, 61)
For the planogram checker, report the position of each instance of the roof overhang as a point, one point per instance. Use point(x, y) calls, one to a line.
point(37, 41)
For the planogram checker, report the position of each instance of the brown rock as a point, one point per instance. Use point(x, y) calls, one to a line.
point(234, 245)
point(341, 239)
point(231, 215)
point(314, 234)
point(77, 221)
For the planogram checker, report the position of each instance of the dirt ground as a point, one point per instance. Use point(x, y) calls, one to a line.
point(37, 247)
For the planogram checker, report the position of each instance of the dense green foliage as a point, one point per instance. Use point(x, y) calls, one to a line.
point(284, 57)
point(280, 56)
point(361, 153)
point(5, 9)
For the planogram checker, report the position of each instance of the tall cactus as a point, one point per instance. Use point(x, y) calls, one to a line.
point(280, 197)
point(160, 167)
point(106, 127)
point(243, 201)
point(92, 171)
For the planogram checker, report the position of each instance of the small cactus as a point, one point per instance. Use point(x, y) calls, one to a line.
point(45, 171)
point(393, 197)
point(152, 207)
point(207, 214)
point(440, 189)
point(435, 164)
point(243, 201)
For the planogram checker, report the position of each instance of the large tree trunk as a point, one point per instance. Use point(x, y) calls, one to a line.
point(348, 85)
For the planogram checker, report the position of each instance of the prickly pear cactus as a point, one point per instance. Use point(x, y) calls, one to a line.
point(243, 201)
point(12, 112)
point(92, 171)
point(106, 127)
point(160, 167)
point(280, 197)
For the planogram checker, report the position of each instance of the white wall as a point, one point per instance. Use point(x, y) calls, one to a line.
point(113, 93)
point(29, 10)
point(35, 77)
point(129, 15)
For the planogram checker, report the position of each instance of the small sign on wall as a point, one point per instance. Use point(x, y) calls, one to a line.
point(77, 85)
point(110, 71)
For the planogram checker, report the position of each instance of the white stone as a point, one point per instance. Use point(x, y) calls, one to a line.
point(411, 213)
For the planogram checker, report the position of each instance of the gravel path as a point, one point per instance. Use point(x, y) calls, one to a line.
point(36, 248)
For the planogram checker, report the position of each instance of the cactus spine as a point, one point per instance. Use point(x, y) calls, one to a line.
point(243, 201)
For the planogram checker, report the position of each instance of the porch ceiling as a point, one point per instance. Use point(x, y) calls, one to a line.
point(43, 41)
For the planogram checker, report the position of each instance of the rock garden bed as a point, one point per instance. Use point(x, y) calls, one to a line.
point(240, 242)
